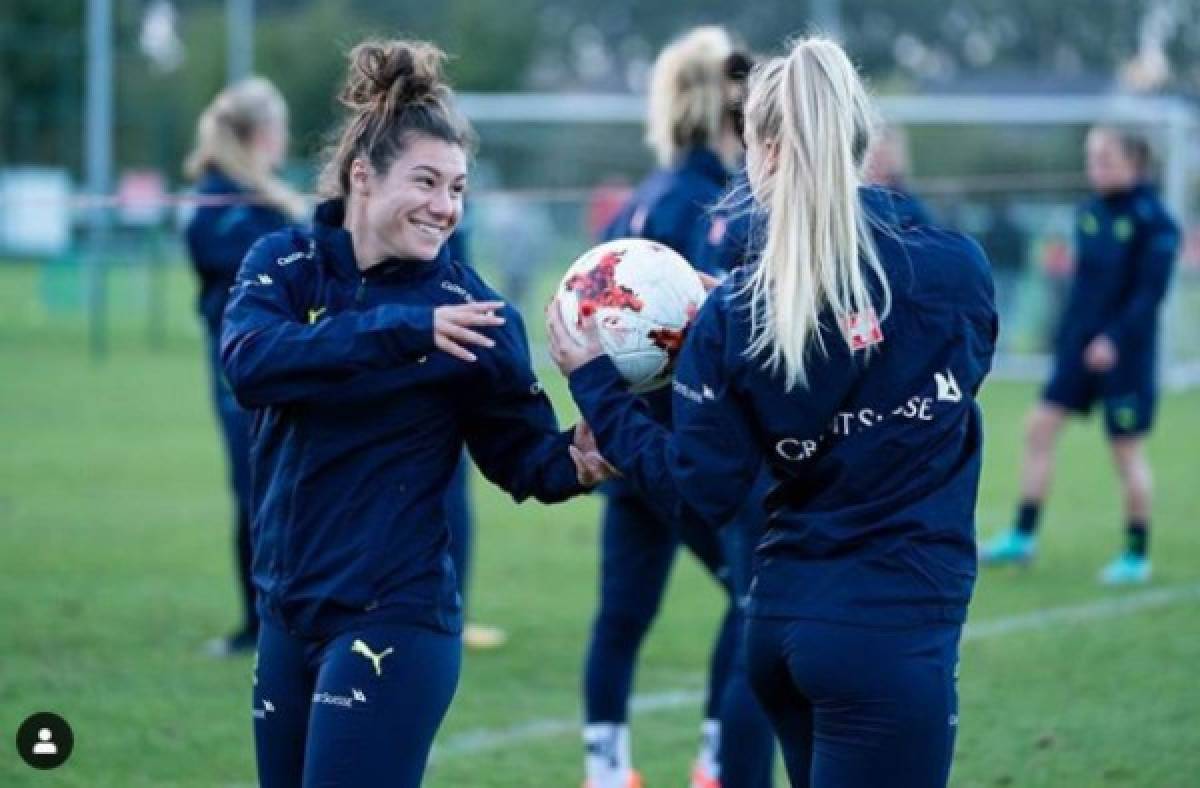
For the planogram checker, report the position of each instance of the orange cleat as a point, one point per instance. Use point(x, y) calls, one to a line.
point(634, 781)
point(702, 779)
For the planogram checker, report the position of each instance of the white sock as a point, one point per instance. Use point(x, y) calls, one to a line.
point(607, 758)
point(710, 744)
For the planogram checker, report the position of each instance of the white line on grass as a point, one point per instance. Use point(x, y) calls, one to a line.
point(484, 739)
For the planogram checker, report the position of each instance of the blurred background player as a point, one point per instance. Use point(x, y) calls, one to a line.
point(459, 513)
point(729, 238)
point(1107, 346)
point(854, 347)
point(372, 358)
point(690, 130)
point(241, 139)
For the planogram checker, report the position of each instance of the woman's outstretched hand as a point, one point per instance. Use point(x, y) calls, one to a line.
point(568, 353)
point(454, 327)
point(590, 466)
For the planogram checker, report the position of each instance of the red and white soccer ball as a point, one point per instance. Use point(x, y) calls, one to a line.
point(643, 295)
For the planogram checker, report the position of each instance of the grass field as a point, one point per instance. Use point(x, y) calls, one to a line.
point(115, 565)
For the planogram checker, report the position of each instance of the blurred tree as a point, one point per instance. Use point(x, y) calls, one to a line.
point(40, 78)
point(555, 45)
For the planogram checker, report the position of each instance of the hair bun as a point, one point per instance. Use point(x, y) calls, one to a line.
point(389, 75)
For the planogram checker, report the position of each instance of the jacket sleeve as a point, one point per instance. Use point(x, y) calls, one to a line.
point(702, 467)
point(706, 464)
point(510, 427)
point(272, 354)
point(1153, 274)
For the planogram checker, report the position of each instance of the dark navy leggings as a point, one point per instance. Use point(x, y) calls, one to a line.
point(855, 707)
point(360, 708)
point(637, 551)
point(235, 430)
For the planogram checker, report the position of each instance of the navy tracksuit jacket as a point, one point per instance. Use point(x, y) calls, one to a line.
point(670, 205)
point(1126, 246)
point(870, 523)
point(218, 237)
point(359, 422)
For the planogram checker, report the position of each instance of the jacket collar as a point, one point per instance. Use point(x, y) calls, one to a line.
point(705, 163)
point(331, 234)
point(214, 181)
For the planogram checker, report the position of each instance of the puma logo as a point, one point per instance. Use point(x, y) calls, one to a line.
point(359, 647)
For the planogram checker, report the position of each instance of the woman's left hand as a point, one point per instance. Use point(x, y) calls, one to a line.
point(1100, 355)
point(568, 353)
point(590, 466)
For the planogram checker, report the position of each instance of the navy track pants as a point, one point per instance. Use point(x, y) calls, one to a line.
point(359, 708)
point(856, 707)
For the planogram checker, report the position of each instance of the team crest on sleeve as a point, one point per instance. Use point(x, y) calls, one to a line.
point(862, 330)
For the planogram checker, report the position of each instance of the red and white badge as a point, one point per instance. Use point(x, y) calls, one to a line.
point(862, 331)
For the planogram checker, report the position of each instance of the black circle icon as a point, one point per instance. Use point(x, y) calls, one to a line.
point(45, 740)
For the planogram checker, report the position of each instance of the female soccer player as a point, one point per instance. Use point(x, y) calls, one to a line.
point(1107, 346)
point(847, 360)
point(370, 358)
point(689, 126)
point(241, 139)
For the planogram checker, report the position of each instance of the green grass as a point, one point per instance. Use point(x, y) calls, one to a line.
point(115, 565)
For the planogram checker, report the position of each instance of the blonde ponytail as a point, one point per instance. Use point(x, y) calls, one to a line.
point(224, 135)
point(810, 115)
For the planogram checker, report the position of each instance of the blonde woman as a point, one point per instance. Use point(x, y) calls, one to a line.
point(241, 139)
point(691, 129)
point(847, 360)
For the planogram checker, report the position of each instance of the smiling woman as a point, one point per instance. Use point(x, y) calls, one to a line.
point(371, 356)
point(403, 173)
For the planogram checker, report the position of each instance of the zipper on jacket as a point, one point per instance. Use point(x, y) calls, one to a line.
point(362, 291)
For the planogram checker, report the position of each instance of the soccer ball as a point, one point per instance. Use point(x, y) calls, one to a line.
point(643, 296)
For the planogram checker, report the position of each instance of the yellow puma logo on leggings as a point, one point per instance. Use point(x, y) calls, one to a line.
point(359, 647)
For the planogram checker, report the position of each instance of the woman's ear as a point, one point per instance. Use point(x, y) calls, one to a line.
point(360, 177)
point(771, 148)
